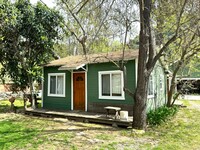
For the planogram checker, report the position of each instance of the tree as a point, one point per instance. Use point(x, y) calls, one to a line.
point(97, 26)
point(186, 48)
point(27, 41)
point(148, 54)
point(186, 45)
point(83, 27)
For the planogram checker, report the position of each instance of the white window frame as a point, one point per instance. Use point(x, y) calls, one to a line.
point(100, 73)
point(56, 74)
point(152, 95)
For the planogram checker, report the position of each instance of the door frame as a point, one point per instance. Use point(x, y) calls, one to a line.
point(72, 89)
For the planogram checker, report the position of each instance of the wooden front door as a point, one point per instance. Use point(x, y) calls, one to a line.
point(79, 91)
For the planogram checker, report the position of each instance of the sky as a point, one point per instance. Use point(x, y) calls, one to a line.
point(49, 3)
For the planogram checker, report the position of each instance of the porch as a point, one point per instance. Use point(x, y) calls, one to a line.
point(81, 116)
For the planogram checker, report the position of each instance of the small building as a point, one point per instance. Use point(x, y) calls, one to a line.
point(92, 82)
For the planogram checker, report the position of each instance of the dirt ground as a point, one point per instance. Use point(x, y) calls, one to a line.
point(63, 134)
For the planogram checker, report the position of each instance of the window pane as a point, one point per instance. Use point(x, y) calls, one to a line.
point(161, 82)
point(116, 85)
point(53, 84)
point(150, 87)
point(60, 83)
point(105, 84)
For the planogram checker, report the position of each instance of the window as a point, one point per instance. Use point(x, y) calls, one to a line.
point(56, 84)
point(150, 87)
point(161, 82)
point(111, 85)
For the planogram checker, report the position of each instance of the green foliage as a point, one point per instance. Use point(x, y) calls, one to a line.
point(161, 114)
point(27, 40)
point(134, 43)
point(61, 50)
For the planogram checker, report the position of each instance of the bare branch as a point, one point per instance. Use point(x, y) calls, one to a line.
point(82, 6)
point(74, 16)
point(76, 6)
point(128, 92)
point(102, 22)
point(173, 38)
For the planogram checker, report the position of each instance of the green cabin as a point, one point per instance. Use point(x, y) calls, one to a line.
point(92, 82)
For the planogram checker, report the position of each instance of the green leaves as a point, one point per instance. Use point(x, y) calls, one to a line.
point(161, 115)
point(27, 38)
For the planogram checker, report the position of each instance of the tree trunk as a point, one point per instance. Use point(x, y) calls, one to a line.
point(144, 66)
point(173, 83)
point(32, 92)
point(171, 92)
point(139, 115)
point(140, 96)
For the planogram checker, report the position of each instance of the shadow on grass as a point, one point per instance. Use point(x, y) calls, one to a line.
point(16, 134)
point(4, 108)
point(13, 134)
point(7, 109)
point(80, 126)
point(78, 130)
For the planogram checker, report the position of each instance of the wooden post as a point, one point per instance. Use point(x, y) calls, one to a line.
point(12, 100)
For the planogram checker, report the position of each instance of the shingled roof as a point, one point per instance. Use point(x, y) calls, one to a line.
point(74, 62)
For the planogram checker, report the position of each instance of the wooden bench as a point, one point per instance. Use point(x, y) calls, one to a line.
point(116, 109)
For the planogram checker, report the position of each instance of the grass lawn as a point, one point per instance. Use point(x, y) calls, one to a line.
point(27, 132)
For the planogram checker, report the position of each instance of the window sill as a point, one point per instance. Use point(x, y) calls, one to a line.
point(55, 95)
point(150, 96)
point(112, 98)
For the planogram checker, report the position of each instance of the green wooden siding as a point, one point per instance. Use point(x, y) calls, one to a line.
point(93, 101)
point(50, 102)
point(159, 98)
point(93, 91)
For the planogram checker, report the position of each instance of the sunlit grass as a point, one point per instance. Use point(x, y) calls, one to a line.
point(185, 102)
point(18, 131)
point(19, 104)
point(182, 132)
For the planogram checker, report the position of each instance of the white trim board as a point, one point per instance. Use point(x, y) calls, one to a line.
point(42, 104)
point(136, 71)
point(86, 91)
point(72, 91)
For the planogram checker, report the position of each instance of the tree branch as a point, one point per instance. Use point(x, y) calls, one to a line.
point(82, 6)
point(74, 16)
point(126, 90)
point(173, 38)
point(102, 22)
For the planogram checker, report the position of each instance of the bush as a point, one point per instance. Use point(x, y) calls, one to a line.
point(161, 114)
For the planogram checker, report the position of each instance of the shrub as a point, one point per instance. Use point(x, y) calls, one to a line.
point(161, 114)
